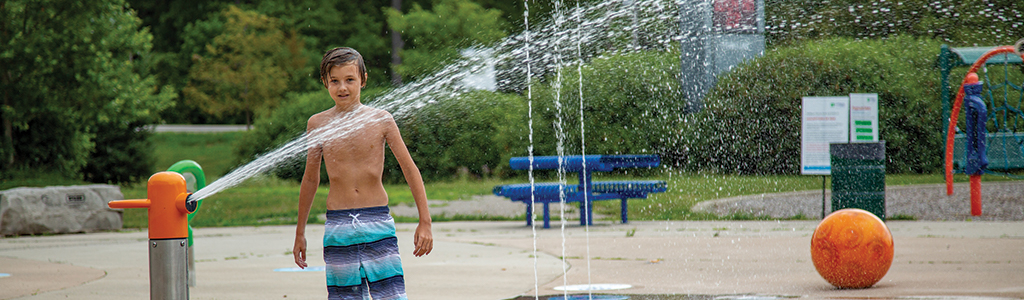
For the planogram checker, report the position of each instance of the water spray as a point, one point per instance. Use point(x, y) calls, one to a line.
point(168, 204)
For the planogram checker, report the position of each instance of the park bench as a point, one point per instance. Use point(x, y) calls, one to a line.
point(586, 192)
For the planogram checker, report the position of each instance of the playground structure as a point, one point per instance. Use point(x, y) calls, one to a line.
point(1001, 93)
point(195, 179)
point(170, 207)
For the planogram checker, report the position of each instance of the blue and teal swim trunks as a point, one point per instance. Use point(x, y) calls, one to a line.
point(361, 252)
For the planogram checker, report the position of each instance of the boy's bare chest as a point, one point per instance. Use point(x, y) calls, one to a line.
point(354, 145)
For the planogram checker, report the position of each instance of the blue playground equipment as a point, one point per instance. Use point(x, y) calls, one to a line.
point(586, 192)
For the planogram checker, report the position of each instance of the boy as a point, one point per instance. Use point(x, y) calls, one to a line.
point(360, 247)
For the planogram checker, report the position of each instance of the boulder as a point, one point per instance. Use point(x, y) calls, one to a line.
point(59, 209)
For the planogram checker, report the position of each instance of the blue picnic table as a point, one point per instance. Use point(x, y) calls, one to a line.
point(586, 191)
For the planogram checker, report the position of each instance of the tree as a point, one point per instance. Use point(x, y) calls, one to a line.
point(435, 37)
point(962, 23)
point(326, 24)
point(396, 47)
point(176, 25)
point(247, 67)
point(73, 72)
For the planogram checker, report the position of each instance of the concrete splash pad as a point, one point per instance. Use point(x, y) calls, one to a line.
point(494, 260)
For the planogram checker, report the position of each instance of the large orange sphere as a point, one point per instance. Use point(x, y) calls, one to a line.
point(852, 248)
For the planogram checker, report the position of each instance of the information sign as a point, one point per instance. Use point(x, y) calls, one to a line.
point(863, 118)
point(824, 120)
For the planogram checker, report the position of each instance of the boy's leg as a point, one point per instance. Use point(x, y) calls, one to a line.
point(381, 260)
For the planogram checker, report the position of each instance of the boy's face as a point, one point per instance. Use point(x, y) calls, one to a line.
point(343, 83)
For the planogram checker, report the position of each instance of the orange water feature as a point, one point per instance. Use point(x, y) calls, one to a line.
point(852, 248)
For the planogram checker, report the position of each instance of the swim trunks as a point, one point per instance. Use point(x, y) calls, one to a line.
point(361, 252)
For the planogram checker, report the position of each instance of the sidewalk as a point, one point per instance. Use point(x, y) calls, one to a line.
point(494, 260)
point(200, 128)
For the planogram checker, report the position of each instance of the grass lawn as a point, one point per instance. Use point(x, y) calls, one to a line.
point(215, 152)
point(266, 201)
point(269, 201)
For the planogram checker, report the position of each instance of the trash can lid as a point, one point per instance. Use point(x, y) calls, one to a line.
point(872, 151)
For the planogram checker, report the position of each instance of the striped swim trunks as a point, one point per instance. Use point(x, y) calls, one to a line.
point(361, 252)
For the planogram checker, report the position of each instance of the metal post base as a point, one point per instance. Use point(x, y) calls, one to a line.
point(168, 271)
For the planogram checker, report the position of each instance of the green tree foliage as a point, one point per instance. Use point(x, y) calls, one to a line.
point(326, 24)
point(962, 23)
point(474, 133)
point(76, 87)
point(751, 121)
point(246, 68)
point(435, 37)
point(631, 105)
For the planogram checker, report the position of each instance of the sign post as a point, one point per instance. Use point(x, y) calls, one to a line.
point(824, 120)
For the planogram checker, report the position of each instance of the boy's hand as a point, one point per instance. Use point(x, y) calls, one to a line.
point(300, 251)
point(423, 240)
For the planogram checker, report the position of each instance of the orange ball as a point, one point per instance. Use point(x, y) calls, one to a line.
point(852, 248)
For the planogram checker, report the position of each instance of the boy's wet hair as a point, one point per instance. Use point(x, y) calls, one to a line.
point(340, 56)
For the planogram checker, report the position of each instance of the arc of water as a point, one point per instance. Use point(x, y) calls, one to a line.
point(593, 28)
point(341, 126)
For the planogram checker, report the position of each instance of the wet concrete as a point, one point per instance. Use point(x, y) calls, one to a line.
point(496, 260)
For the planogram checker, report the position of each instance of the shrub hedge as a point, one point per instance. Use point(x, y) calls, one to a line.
point(751, 122)
point(287, 122)
point(471, 135)
point(632, 105)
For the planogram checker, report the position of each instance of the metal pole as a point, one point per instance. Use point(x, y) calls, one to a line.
point(822, 197)
point(168, 273)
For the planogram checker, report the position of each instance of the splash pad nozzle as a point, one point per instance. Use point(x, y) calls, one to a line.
point(168, 203)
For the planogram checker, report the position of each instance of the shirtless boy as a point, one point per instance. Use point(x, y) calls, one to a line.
point(360, 247)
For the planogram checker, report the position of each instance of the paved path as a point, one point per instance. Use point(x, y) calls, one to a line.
point(1001, 201)
point(495, 260)
point(195, 128)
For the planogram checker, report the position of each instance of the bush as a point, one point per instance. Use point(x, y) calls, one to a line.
point(123, 153)
point(751, 122)
point(285, 124)
point(474, 134)
point(632, 105)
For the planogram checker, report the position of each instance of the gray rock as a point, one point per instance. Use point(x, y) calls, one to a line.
point(59, 209)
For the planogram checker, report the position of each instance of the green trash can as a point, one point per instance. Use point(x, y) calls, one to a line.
point(858, 176)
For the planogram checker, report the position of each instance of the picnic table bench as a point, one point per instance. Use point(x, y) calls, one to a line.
point(585, 192)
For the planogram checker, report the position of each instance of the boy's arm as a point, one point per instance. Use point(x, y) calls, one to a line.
point(423, 239)
point(307, 190)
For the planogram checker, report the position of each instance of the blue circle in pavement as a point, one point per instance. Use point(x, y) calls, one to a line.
point(2, 275)
point(309, 269)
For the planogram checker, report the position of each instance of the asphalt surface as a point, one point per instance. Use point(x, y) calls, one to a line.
point(497, 260)
point(961, 258)
point(202, 128)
